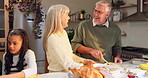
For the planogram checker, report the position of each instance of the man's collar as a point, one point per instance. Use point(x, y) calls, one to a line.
point(106, 23)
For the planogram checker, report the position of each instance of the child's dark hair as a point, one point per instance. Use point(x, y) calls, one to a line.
point(25, 46)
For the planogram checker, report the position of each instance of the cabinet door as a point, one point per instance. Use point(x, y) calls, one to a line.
point(2, 32)
point(4, 25)
point(145, 6)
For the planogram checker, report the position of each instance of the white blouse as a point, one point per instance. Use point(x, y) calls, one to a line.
point(60, 55)
point(30, 60)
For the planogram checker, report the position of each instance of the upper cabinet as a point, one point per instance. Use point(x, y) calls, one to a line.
point(4, 24)
point(141, 13)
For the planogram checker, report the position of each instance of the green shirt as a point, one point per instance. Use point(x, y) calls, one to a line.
point(106, 39)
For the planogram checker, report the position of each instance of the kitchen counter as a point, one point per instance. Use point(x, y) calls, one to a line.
point(54, 75)
point(128, 66)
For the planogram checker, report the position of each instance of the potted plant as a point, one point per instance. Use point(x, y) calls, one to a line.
point(70, 33)
point(117, 4)
point(82, 12)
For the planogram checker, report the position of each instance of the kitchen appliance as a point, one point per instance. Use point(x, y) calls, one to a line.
point(27, 23)
point(130, 52)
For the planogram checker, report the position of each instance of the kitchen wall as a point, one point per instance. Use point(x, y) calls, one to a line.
point(137, 32)
point(74, 5)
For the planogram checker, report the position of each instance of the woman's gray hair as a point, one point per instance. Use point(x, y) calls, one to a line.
point(105, 3)
point(53, 21)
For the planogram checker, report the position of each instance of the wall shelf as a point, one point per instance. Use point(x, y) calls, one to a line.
point(130, 5)
point(2, 29)
point(2, 48)
point(111, 21)
point(77, 21)
point(1, 9)
point(118, 21)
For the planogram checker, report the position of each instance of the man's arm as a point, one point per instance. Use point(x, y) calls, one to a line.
point(95, 53)
point(117, 58)
point(77, 43)
point(117, 48)
point(83, 49)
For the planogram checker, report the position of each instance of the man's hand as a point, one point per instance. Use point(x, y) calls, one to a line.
point(117, 60)
point(87, 50)
point(96, 53)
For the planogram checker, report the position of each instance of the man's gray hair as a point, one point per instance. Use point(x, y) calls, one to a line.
point(105, 3)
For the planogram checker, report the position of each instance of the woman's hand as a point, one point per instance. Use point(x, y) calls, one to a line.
point(117, 60)
point(89, 62)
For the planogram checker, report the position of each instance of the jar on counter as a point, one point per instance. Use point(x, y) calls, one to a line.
point(117, 15)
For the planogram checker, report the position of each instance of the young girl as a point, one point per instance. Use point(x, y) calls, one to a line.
point(18, 59)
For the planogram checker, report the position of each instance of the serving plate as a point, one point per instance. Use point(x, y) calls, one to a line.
point(107, 74)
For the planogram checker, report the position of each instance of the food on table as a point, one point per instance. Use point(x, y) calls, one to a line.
point(109, 69)
point(109, 63)
point(144, 66)
point(131, 76)
point(114, 64)
point(113, 69)
point(129, 73)
point(137, 61)
point(87, 71)
point(146, 73)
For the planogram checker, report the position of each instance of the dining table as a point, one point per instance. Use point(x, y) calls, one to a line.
point(126, 66)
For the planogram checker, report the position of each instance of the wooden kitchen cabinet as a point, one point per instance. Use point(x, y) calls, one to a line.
point(4, 26)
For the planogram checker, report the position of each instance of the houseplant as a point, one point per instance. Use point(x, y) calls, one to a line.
point(70, 33)
point(28, 7)
point(82, 12)
point(117, 4)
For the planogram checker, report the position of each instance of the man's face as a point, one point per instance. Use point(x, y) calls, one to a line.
point(100, 14)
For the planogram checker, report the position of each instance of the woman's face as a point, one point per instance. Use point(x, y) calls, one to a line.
point(14, 44)
point(65, 19)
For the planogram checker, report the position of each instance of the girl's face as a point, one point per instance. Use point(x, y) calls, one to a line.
point(14, 44)
point(65, 19)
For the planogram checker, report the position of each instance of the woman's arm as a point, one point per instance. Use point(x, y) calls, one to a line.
point(14, 75)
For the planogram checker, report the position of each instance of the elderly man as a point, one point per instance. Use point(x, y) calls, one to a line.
point(98, 38)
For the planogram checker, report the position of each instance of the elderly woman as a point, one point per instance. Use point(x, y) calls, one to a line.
point(56, 43)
